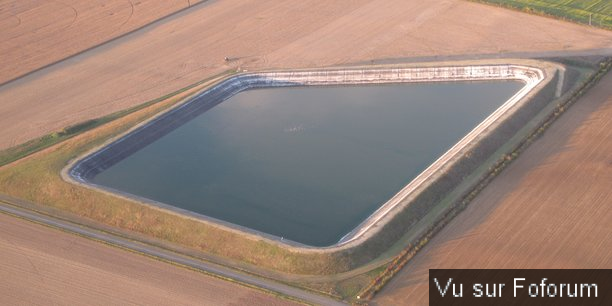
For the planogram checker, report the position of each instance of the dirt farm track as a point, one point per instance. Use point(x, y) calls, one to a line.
point(550, 208)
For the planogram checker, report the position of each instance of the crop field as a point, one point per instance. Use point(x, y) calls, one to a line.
point(599, 12)
point(37, 33)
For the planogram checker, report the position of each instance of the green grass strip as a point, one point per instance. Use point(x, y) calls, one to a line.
point(596, 12)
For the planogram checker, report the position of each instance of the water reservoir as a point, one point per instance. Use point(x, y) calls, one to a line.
point(308, 163)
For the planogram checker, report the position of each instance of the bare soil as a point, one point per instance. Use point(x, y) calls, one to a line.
point(41, 266)
point(36, 33)
point(254, 34)
point(549, 209)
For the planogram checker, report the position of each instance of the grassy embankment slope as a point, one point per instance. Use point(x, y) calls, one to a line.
point(37, 179)
point(599, 12)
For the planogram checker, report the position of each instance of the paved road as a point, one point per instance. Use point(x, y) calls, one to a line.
point(7, 206)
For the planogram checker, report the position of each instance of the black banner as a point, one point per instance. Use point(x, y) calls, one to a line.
point(520, 287)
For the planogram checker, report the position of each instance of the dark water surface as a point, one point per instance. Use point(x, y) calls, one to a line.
point(306, 163)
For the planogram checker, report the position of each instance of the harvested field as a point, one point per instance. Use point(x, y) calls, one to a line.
point(75, 271)
point(36, 33)
point(549, 209)
point(191, 46)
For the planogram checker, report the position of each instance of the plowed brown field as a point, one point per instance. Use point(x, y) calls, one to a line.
point(41, 266)
point(36, 33)
point(548, 209)
point(191, 45)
